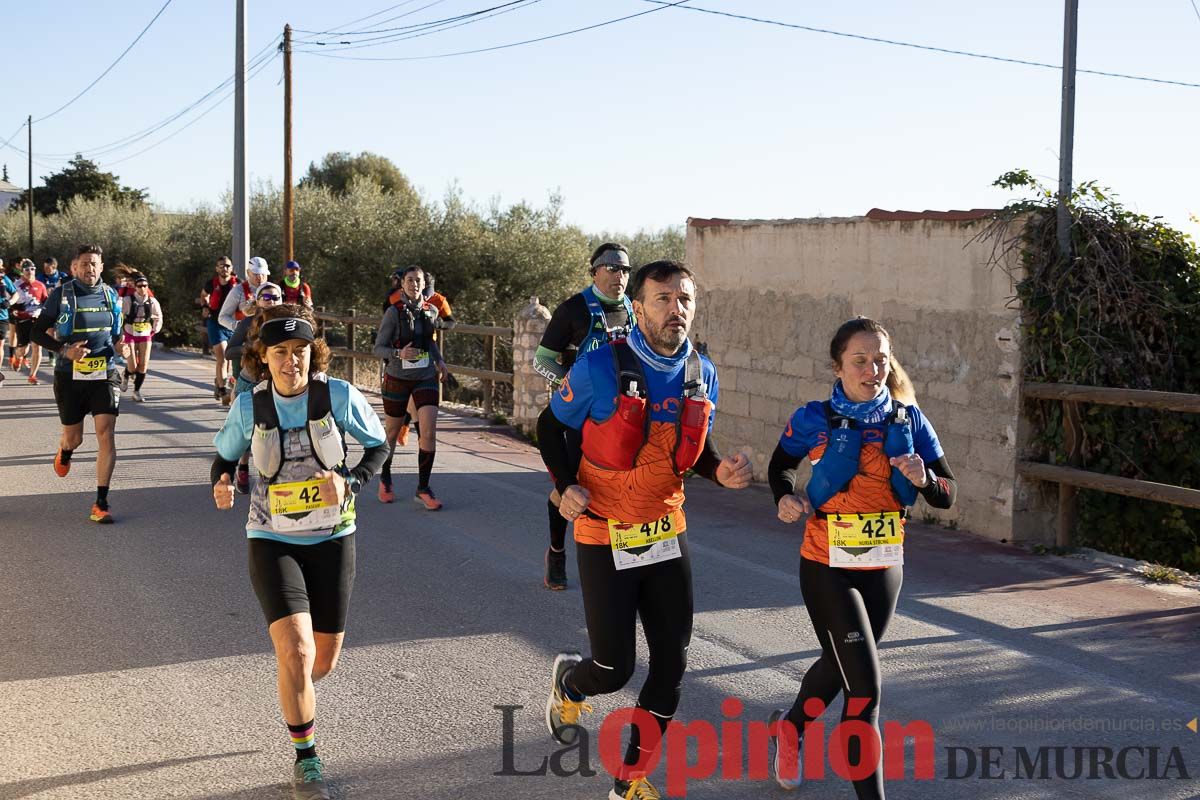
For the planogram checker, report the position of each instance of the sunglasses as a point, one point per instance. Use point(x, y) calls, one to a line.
point(271, 297)
point(615, 268)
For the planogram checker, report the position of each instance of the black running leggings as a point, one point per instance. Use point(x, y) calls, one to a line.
point(661, 594)
point(849, 609)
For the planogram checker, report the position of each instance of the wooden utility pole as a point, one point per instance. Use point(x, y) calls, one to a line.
point(29, 125)
point(289, 200)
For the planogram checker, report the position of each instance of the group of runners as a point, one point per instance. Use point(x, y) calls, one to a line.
point(631, 415)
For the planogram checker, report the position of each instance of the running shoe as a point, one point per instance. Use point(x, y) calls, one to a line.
point(226, 397)
point(556, 570)
point(308, 780)
point(386, 495)
point(61, 468)
point(101, 515)
point(33, 380)
point(562, 713)
point(124, 382)
point(217, 389)
point(426, 498)
point(783, 759)
point(402, 436)
point(137, 396)
point(243, 480)
point(637, 789)
point(25, 364)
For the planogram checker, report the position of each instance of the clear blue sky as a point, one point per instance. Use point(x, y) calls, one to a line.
point(639, 124)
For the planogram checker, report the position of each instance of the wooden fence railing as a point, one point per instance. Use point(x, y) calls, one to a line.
point(1071, 478)
point(490, 377)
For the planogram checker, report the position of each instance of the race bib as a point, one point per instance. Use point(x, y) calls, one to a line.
point(866, 540)
point(142, 328)
point(420, 362)
point(637, 544)
point(90, 368)
point(302, 506)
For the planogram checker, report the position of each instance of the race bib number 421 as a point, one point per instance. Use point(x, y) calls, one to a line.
point(866, 540)
point(635, 544)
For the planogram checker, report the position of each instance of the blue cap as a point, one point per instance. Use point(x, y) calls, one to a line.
point(292, 265)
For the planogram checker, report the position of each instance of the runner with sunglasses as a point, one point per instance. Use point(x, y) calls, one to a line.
point(143, 320)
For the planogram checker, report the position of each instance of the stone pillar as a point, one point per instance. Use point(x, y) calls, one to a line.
point(531, 392)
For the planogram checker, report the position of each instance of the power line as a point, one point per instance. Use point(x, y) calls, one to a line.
point(133, 138)
point(367, 29)
point(436, 26)
point(250, 75)
point(364, 32)
point(361, 19)
point(663, 7)
point(110, 66)
point(877, 40)
point(1196, 9)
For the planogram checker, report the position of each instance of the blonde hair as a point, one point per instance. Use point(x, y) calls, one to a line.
point(898, 382)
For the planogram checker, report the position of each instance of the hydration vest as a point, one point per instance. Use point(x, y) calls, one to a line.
point(138, 311)
point(839, 463)
point(93, 317)
point(298, 295)
point(320, 439)
point(599, 332)
point(420, 326)
point(616, 442)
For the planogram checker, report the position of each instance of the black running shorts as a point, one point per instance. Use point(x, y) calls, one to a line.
point(77, 399)
point(314, 579)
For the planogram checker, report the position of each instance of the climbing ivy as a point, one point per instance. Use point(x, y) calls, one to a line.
point(1124, 311)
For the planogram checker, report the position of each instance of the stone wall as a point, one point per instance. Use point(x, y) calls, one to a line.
point(772, 293)
point(531, 392)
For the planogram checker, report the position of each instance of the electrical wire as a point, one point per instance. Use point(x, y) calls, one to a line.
point(548, 37)
point(250, 75)
point(1196, 8)
point(361, 19)
point(877, 40)
point(110, 66)
point(439, 26)
point(364, 32)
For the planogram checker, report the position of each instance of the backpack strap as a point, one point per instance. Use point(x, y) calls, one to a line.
point(629, 369)
point(319, 403)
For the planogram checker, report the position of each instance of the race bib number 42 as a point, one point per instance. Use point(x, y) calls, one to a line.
point(90, 368)
point(635, 544)
point(866, 540)
point(302, 506)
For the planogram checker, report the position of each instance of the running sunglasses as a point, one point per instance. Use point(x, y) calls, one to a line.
point(614, 268)
point(268, 296)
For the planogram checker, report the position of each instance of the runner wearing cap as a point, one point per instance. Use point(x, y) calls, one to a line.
point(143, 320)
point(413, 369)
point(268, 295)
point(26, 306)
point(302, 512)
point(295, 291)
point(582, 323)
point(240, 304)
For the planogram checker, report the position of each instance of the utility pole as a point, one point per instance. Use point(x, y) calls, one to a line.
point(289, 208)
point(241, 199)
point(1066, 141)
point(29, 153)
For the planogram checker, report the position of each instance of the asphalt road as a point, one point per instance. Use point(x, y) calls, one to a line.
point(134, 661)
